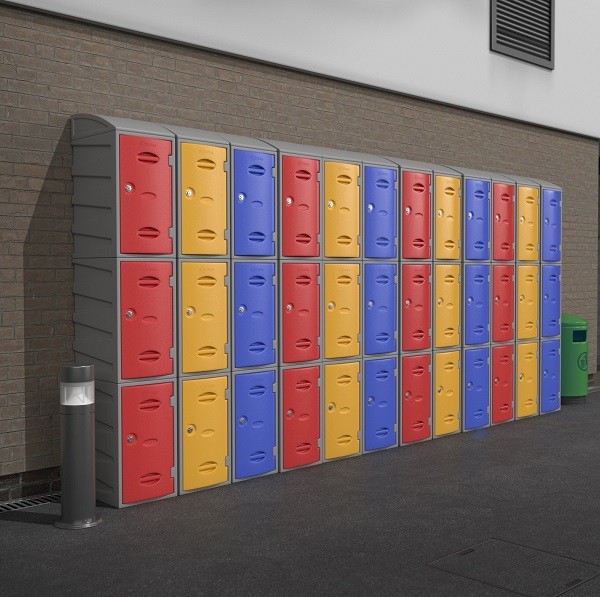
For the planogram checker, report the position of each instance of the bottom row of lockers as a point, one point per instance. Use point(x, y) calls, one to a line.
point(324, 413)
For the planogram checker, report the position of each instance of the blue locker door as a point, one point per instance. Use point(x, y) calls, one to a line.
point(550, 392)
point(477, 219)
point(253, 203)
point(380, 198)
point(254, 314)
point(551, 233)
point(380, 308)
point(255, 424)
point(477, 304)
point(379, 404)
point(550, 300)
point(476, 388)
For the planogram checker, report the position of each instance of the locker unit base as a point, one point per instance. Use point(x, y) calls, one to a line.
point(135, 442)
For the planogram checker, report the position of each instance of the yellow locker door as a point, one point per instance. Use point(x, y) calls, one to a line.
point(203, 199)
point(342, 410)
point(527, 301)
point(446, 399)
point(342, 303)
point(527, 380)
point(204, 432)
point(447, 306)
point(204, 308)
point(447, 217)
point(528, 218)
point(342, 210)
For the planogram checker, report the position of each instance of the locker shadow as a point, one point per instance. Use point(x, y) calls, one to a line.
point(48, 313)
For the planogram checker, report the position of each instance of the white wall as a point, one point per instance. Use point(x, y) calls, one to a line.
point(435, 49)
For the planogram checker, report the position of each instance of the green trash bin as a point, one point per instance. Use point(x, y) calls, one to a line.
point(574, 356)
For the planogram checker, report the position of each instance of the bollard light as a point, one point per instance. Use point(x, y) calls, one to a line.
point(78, 458)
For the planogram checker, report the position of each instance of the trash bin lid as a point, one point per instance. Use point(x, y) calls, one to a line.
point(572, 321)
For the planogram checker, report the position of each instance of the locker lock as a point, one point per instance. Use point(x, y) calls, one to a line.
point(470, 300)
point(521, 298)
point(190, 430)
point(497, 218)
point(289, 413)
point(288, 308)
point(470, 215)
point(370, 304)
point(331, 406)
point(242, 420)
point(440, 213)
point(546, 221)
point(521, 376)
point(440, 301)
point(470, 385)
point(407, 394)
point(496, 380)
point(407, 210)
point(128, 188)
point(522, 219)
point(330, 204)
point(371, 400)
point(130, 439)
point(407, 303)
point(440, 390)
point(189, 311)
point(288, 200)
point(496, 299)
point(330, 306)
point(370, 207)
point(241, 197)
point(129, 314)
point(188, 192)
point(546, 297)
point(241, 309)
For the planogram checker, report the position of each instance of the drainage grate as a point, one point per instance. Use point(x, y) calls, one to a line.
point(29, 502)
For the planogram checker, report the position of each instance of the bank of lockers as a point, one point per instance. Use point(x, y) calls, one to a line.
point(527, 301)
point(380, 290)
point(550, 376)
point(204, 438)
point(124, 317)
point(341, 209)
point(380, 196)
point(447, 215)
point(503, 373)
point(476, 284)
point(253, 198)
point(551, 223)
point(203, 316)
point(300, 312)
point(415, 398)
point(135, 442)
point(550, 301)
point(254, 424)
point(477, 219)
point(446, 393)
point(503, 221)
point(476, 388)
point(528, 222)
point(254, 320)
point(379, 404)
point(123, 187)
point(447, 299)
point(503, 303)
point(416, 214)
point(300, 418)
point(341, 306)
point(341, 408)
point(416, 306)
point(526, 398)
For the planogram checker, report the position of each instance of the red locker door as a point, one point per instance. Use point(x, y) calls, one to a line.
point(300, 207)
point(146, 319)
point(300, 312)
point(301, 417)
point(502, 382)
point(416, 398)
point(147, 442)
point(503, 303)
point(416, 220)
point(145, 191)
point(416, 306)
point(503, 232)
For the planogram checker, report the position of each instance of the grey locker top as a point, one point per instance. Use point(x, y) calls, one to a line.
point(544, 184)
point(422, 166)
point(88, 125)
point(188, 134)
point(522, 180)
point(376, 160)
point(238, 141)
point(481, 174)
point(295, 148)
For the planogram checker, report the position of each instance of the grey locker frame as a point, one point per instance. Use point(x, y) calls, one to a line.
point(397, 375)
point(179, 438)
point(281, 370)
point(540, 371)
point(199, 137)
point(232, 309)
point(514, 393)
point(96, 189)
point(401, 305)
point(463, 350)
point(460, 306)
point(232, 423)
point(459, 350)
point(463, 302)
point(527, 182)
point(180, 315)
point(401, 395)
point(108, 441)
point(535, 341)
point(344, 361)
point(280, 309)
point(250, 144)
point(97, 316)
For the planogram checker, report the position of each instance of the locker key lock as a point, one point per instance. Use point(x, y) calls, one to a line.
point(371, 400)
point(546, 297)
point(407, 303)
point(128, 188)
point(130, 439)
point(288, 308)
point(188, 192)
point(241, 309)
point(521, 298)
point(189, 311)
point(330, 204)
point(440, 212)
point(331, 406)
point(522, 219)
point(470, 215)
point(242, 420)
point(330, 306)
point(496, 299)
point(546, 221)
point(407, 210)
point(370, 207)
point(496, 380)
point(440, 301)
point(190, 430)
point(129, 314)
point(470, 300)
point(470, 385)
point(241, 197)
point(289, 413)
point(521, 376)
point(407, 394)
point(288, 200)
point(497, 218)
point(439, 390)
point(370, 304)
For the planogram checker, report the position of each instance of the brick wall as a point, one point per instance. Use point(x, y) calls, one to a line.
point(51, 68)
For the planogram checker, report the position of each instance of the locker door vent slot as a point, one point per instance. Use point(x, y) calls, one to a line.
point(256, 237)
point(344, 340)
point(303, 448)
point(206, 281)
point(206, 468)
point(257, 347)
point(206, 235)
point(207, 398)
point(207, 351)
point(382, 337)
point(418, 187)
point(206, 164)
point(343, 240)
point(146, 157)
point(478, 413)
point(257, 281)
point(343, 440)
point(256, 170)
point(344, 179)
point(382, 184)
point(449, 419)
point(344, 280)
point(479, 194)
point(303, 175)
point(303, 280)
point(149, 356)
point(418, 279)
point(418, 425)
point(303, 344)
point(303, 385)
point(418, 334)
point(382, 241)
point(382, 432)
point(148, 232)
point(418, 243)
point(505, 197)
point(382, 280)
point(257, 391)
point(303, 239)
point(382, 375)
point(449, 279)
point(150, 479)
point(148, 282)
point(505, 246)
point(344, 380)
point(479, 279)
point(257, 457)
point(418, 370)
point(449, 244)
point(479, 245)
point(149, 405)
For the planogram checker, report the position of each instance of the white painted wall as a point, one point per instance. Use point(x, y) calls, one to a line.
point(435, 49)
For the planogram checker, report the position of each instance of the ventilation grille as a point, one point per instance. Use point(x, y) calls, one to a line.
point(30, 502)
point(524, 29)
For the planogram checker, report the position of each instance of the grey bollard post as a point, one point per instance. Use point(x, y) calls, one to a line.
point(77, 439)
